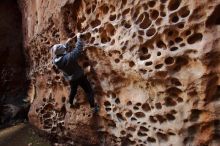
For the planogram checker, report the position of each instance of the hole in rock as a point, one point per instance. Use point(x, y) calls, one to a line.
point(194, 115)
point(146, 107)
point(131, 63)
point(117, 101)
point(44, 99)
point(123, 132)
point(112, 124)
point(133, 119)
point(146, 21)
point(170, 117)
point(160, 44)
point(169, 101)
point(112, 17)
point(117, 60)
point(160, 118)
point(115, 109)
point(129, 103)
point(158, 21)
point(47, 115)
point(63, 99)
point(154, 14)
point(140, 32)
point(171, 133)
point(175, 81)
point(173, 91)
point(138, 104)
point(162, 136)
point(158, 53)
point(107, 103)
point(128, 114)
point(169, 60)
point(124, 2)
point(57, 77)
point(182, 44)
point(150, 32)
point(171, 43)
point(158, 105)
point(152, 119)
point(173, 48)
point(120, 117)
point(178, 40)
point(148, 63)
point(143, 71)
point(194, 38)
point(141, 134)
point(163, 1)
point(158, 66)
point(126, 24)
point(184, 12)
point(173, 111)
point(179, 99)
point(108, 109)
point(151, 139)
point(140, 19)
point(144, 129)
point(145, 57)
point(162, 14)
point(188, 32)
point(131, 129)
point(175, 19)
point(181, 61)
point(136, 107)
point(139, 114)
point(144, 50)
point(180, 25)
point(151, 3)
point(104, 8)
point(174, 4)
point(214, 18)
point(126, 11)
point(95, 23)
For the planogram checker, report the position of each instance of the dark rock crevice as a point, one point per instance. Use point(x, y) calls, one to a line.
point(14, 83)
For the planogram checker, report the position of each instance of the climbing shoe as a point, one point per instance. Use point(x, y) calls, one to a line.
point(95, 109)
point(75, 105)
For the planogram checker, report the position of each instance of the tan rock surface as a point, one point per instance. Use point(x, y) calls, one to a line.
point(155, 71)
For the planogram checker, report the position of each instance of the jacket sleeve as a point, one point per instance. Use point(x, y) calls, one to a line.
point(74, 54)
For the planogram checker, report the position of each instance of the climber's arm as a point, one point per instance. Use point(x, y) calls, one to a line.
point(74, 54)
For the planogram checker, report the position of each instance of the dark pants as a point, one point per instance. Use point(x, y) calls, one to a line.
point(84, 83)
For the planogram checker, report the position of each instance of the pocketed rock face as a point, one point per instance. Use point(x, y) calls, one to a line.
point(155, 71)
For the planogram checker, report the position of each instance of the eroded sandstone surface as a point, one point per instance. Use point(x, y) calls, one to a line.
point(155, 71)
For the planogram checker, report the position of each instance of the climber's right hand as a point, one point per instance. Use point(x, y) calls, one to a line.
point(78, 35)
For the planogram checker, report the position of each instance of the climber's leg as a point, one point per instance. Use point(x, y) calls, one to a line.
point(73, 88)
point(84, 83)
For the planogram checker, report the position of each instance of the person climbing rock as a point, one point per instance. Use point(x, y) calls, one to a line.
point(67, 63)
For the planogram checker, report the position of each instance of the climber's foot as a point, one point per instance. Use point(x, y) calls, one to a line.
point(95, 109)
point(75, 105)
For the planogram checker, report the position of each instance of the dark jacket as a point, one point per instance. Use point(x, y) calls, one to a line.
point(67, 63)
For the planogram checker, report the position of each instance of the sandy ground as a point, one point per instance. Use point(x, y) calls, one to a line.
point(21, 135)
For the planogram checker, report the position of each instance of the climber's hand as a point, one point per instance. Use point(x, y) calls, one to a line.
point(78, 35)
point(87, 69)
point(69, 40)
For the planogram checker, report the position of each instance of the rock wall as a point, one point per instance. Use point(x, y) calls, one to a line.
point(155, 71)
point(13, 83)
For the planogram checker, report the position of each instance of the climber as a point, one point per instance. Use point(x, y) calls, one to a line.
point(67, 63)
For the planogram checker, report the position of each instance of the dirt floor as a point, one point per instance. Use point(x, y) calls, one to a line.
point(21, 135)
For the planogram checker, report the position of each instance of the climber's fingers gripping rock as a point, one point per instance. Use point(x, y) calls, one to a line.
point(78, 35)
